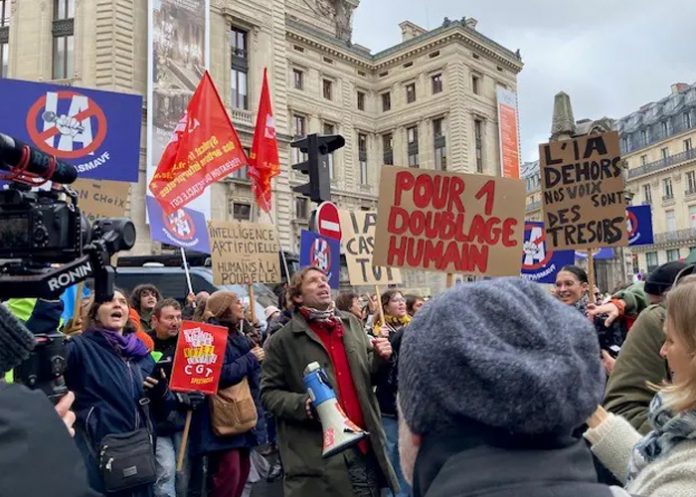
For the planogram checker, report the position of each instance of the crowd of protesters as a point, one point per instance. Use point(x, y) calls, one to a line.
point(497, 388)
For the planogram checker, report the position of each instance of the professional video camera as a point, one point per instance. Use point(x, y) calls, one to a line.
point(48, 246)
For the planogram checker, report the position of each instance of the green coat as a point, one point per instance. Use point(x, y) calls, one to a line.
point(639, 362)
point(300, 439)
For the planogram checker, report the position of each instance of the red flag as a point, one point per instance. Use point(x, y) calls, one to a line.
point(203, 149)
point(264, 164)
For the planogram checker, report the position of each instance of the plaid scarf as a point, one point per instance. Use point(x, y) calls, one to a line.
point(327, 316)
point(668, 430)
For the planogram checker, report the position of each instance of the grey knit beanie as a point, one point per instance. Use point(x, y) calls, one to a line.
point(503, 353)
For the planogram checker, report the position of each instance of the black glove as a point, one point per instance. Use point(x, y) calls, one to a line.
point(190, 401)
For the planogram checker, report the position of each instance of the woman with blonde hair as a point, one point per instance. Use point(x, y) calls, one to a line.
point(663, 463)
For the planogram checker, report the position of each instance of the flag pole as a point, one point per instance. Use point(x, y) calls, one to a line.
point(186, 270)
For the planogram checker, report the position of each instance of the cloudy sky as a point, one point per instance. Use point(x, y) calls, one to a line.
point(610, 56)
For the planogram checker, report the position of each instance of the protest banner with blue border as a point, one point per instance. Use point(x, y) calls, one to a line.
point(640, 228)
point(184, 228)
point(96, 131)
point(540, 263)
point(597, 254)
point(321, 252)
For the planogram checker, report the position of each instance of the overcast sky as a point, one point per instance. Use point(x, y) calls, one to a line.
point(610, 56)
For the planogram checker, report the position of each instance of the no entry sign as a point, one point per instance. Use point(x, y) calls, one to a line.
point(328, 223)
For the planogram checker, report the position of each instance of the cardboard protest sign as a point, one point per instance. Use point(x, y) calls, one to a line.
point(455, 223)
point(358, 243)
point(540, 263)
point(244, 252)
point(98, 199)
point(200, 353)
point(321, 252)
point(185, 228)
point(583, 192)
point(640, 229)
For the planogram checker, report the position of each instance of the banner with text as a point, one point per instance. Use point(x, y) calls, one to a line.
point(508, 133)
point(454, 223)
point(185, 228)
point(540, 263)
point(358, 243)
point(98, 199)
point(178, 39)
point(583, 192)
point(640, 229)
point(244, 252)
point(321, 252)
point(96, 131)
point(200, 354)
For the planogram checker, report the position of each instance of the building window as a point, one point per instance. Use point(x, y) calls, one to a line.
point(361, 100)
point(672, 255)
point(241, 212)
point(388, 149)
point(440, 144)
point(651, 260)
point(664, 151)
point(665, 129)
point(644, 136)
point(301, 208)
point(243, 172)
point(687, 120)
point(5, 13)
point(691, 182)
point(671, 221)
point(412, 146)
point(362, 157)
point(299, 130)
point(410, 93)
point(478, 139)
point(327, 88)
point(63, 38)
point(437, 83)
point(692, 217)
point(687, 144)
point(4, 36)
point(667, 189)
point(647, 194)
point(643, 160)
point(298, 79)
point(475, 83)
point(330, 129)
point(386, 101)
point(4, 58)
point(239, 68)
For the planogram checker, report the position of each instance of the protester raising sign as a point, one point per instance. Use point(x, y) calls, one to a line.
point(583, 190)
point(358, 243)
point(97, 199)
point(244, 252)
point(200, 353)
point(455, 223)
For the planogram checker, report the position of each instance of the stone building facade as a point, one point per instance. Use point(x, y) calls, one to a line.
point(428, 102)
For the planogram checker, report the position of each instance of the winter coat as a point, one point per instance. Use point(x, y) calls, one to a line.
point(107, 390)
point(448, 466)
point(239, 363)
point(176, 419)
point(639, 362)
point(387, 379)
point(634, 297)
point(300, 439)
point(669, 475)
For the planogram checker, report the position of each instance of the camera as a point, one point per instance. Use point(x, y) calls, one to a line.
point(49, 246)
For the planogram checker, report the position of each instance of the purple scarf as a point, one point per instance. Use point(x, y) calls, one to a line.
point(129, 346)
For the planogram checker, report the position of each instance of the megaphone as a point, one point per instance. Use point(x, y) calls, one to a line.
point(339, 431)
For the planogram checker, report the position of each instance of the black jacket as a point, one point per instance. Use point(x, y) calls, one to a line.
point(468, 465)
point(387, 379)
point(176, 418)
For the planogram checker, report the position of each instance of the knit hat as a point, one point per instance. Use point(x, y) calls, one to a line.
point(218, 303)
point(270, 310)
point(661, 280)
point(503, 353)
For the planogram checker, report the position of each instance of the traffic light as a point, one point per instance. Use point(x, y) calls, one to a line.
point(318, 148)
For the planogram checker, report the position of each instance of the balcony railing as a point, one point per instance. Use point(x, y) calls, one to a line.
point(676, 236)
point(658, 165)
point(533, 206)
point(241, 116)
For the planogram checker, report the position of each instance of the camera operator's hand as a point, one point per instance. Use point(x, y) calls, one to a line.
point(610, 309)
point(63, 410)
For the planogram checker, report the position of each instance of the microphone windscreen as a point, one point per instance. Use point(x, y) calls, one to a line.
point(16, 341)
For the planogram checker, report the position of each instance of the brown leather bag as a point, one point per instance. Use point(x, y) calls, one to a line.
point(232, 410)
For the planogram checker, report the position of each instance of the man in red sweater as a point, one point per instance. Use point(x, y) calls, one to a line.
point(336, 340)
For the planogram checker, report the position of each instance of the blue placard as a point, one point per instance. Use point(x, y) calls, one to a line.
point(183, 228)
point(597, 254)
point(539, 263)
point(321, 252)
point(96, 131)
point(640, 229)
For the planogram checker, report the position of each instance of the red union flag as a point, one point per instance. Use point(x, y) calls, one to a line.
point(264, 164)
point(200, 353)
point(204, 149)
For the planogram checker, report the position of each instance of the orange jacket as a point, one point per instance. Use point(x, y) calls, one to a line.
point(139, 332)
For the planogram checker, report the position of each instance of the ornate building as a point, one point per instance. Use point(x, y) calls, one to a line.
point(428, 102)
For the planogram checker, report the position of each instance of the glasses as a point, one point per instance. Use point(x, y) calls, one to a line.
point(398, 300)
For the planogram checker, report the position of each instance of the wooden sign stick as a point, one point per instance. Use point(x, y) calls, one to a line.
point(450, 280)
point(379, 306)
point(252, 302)
point(591, 275)
point(184, 441)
